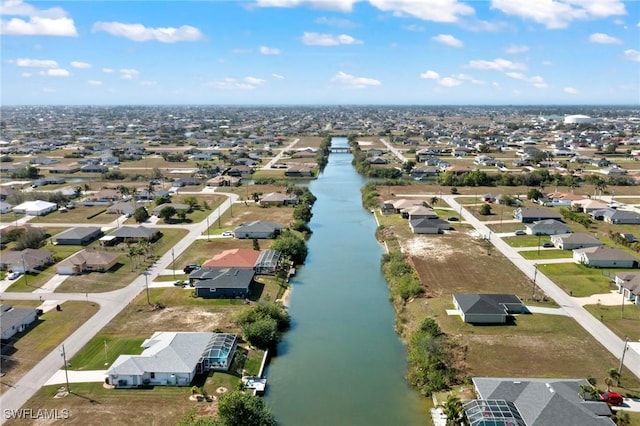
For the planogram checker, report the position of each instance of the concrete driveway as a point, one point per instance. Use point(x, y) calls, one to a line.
point(92, 376)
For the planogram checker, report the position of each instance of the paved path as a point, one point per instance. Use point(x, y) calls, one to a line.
point(573, 307)
point(93, 376)
point(278, 156)
point(395, 151)
point(111, 303)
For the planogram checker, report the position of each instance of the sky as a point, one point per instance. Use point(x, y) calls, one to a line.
point(320, 52)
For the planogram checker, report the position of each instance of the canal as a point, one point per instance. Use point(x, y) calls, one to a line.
point(342, 362)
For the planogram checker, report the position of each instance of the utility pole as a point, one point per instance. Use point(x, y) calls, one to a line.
point(219, 215)
point(208, 237)
point(539, 235)
point(105, 353)
point(146, 285)
point(24, 268)
point(173, 263)
point(624, 350)
point(66, 373)
point(535, 274)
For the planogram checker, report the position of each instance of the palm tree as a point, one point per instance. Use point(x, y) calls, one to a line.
point(434, 200)
point(613, 376)
point(453, 409)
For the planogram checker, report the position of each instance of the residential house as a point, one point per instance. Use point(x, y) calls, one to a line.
point(240, 171)
point(185, 181)
point(547, 227)
point(617, 217)
point(419, 173)
point(107, 195)
point(295, 171)
point(628, 284)
point(173, 359)
point(574, 241)
point(143, 194)
point(5, 207)
point(36, 208)
point(27, 260)
point(87, 261)
point(234, 258)
point(402, 204)
point(605, 257)
point(224, 181)
point(15, 320)
point(532, 214)
point(258, 229)
point(588, 206)
point(5, 192)
point(124, 207)
point(418, 212)
point(94, 168)
point(222, 283)
point(177, 206)
point(534, 402)
point(561, 199)
point(487, 308)
point(278, 199)
point(134, 233)
point(429, 226)
point(79, 236)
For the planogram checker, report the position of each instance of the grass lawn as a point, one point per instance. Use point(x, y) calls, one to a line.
point(79, 214)
point(167, 278)
point(624, 323)
point(526, 240)
point(31, 282)
point(93, 354)
point(505, 227)
point(121, 274)
point(546, 254)
point(578, 280)
point(49, 331)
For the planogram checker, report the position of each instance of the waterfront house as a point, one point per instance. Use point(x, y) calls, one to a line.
point(487, 308)
point(222, 283)
point(258, 229)
point(173, 359)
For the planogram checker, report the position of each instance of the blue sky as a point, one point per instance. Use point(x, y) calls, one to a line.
point(427, 52)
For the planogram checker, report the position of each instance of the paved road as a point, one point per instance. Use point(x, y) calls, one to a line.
point(111, 303)
point(278, 156)
point(395, 151)
point(593, 326)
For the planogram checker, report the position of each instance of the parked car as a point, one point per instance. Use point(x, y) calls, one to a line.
point(227, 234)
point(452, 219)
point(612, 398)
point(180, 283)
point(190, 268)
point(547, 244)
point(13, 275)
point(520, 232)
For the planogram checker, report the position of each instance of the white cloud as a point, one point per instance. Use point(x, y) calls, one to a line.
point(107, 70)
point(230, 83)
point(82, 65)
point(430, 75)
point(604, 39)
point(336, 22)
point(129, 74)
point(317, 39)
point(277, 76)
point(536, 81)
point(414, 28)
point(254, 81)
point(138, 32)
point(497, 64)
point(448, 40)
point(26, 74)
point(339, 5)
point(94, 82)
point(449, 82)
point(35, 63)
point(632, 55)
point(56, 72)
point(434, 10)
point(48, 90)
point(515, 49)
point(269, 50)
point(547, 63)
point(353, 82)
point(571, 91)
point(148, 83)
point(559, 13)
point(38, 22)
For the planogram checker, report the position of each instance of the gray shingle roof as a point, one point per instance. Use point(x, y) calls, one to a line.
point(78, 233)
point(223, 277)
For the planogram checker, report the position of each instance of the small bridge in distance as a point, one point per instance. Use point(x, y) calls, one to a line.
point(340, 149)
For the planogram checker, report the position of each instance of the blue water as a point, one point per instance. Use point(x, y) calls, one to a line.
point(342, 362)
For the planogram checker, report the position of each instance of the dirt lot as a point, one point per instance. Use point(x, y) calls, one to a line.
point(535, 345)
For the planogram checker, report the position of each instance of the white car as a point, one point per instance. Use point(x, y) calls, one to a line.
point(13, 275)
point(227, 234)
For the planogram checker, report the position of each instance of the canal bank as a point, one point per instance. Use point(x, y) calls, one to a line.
point(342, 362)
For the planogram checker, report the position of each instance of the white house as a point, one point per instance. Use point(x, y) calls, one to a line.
point(605, 257)
point(173, 359)
point(15, 320)
point(36, 208)
point(629, 285)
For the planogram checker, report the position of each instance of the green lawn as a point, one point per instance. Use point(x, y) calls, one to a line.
point(546, 254)
point(578, 280)
point(526, 240)
point(93, 354)
point(625, 323)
